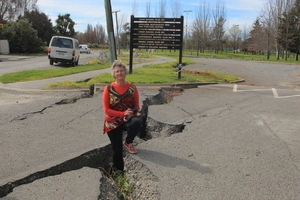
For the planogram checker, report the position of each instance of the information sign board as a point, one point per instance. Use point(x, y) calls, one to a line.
point(156, 33)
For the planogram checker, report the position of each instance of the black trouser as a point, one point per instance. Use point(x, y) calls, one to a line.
point(116, 138)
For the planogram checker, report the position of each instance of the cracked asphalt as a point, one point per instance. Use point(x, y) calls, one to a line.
point(240, 141)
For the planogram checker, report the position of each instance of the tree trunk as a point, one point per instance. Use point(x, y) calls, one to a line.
point(277, 51)
point(198, 47)
point(286, 53)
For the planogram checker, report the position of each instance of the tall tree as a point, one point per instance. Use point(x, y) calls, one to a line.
point(176, 9)
point(162, 9)
point(134, 8)
point(29, 5)
point(65, 25)
point(289, 30)
point(124, 35)
point(295, 46)
point(41, 23)
point(201, 27)
point(12, 9)
point(92, 35)
point(234, 34)
point(148, 8)
point(245, 35)
point(268, 26)
point(276, 8)
point(257, 41)
point(22, 37)
point(286, 31)
point(100, 34)
point(219, 20)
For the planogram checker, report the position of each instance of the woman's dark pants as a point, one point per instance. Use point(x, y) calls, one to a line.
point(116, 138)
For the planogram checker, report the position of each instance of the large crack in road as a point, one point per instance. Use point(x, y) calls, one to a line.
point(143, 182)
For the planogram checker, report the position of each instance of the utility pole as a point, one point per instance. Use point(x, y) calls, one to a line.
point(235, 37)
point(110, 31)
point(186, 26)
point(117, 26)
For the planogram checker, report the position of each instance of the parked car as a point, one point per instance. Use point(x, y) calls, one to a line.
point(84, 48)
point(63, 49)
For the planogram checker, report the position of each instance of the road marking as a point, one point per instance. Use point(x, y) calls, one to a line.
point(235, 89)
point(275, 93)
point(277, 96)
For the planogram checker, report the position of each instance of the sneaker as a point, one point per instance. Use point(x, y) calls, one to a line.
point(130, 148)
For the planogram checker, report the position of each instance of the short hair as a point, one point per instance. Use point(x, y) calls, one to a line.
point(117, 63)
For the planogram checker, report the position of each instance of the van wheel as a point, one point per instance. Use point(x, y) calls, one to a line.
point(51, 62)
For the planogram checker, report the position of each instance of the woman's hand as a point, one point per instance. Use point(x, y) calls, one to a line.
point(128, 114)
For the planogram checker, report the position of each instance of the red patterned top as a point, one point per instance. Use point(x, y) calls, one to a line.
point(116, 99)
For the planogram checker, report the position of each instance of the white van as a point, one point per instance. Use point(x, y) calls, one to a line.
point(63, 49)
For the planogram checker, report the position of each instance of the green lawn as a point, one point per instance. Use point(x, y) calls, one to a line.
point(241, 56)
point(159, 73)
point(31, 75)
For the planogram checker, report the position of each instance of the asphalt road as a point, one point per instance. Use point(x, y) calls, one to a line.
point(10, 64)
point(254, 73)
point(240, 141)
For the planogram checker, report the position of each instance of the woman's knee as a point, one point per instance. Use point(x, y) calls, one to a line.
point(135, 122)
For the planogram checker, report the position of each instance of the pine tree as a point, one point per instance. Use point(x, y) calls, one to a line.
point(257, 42)
point(289, 30)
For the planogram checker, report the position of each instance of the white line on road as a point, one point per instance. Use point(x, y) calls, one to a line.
point(275, 93)
point(235, 89)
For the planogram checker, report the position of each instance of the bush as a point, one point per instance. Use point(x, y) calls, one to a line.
point(22, 37)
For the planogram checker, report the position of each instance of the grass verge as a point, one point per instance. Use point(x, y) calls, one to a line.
point(241, 56)
point(158, 73)
point(31, 75)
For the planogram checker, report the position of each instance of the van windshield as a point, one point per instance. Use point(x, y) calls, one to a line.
point(62, 43)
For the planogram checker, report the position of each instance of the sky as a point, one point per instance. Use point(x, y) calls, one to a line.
point(84, 12)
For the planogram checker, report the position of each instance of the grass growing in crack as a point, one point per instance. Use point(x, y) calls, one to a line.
point(124, 186)
point(120, 180)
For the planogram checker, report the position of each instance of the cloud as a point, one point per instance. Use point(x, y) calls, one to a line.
point(93, 11)
point(245, 5)
point(82, 12)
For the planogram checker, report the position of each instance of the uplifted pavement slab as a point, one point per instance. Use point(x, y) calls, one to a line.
point(80, 184)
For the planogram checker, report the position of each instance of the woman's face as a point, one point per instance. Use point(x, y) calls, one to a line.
point(119, 73)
